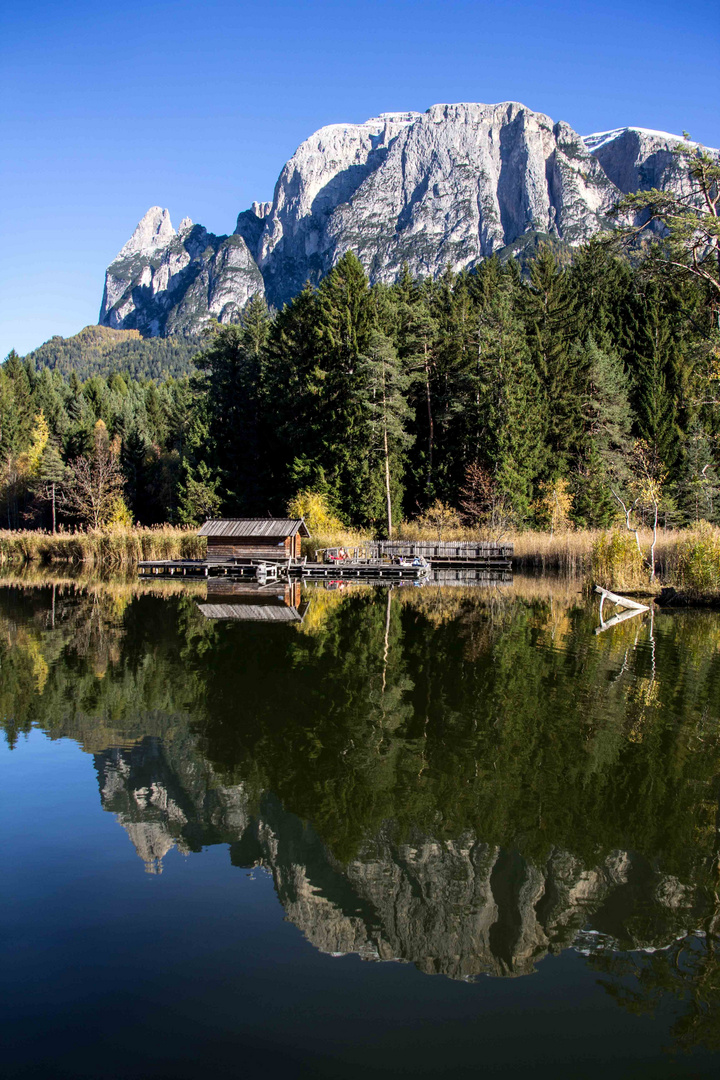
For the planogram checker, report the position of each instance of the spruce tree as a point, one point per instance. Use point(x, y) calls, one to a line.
point(510, 439)
point(602, 460)
point(232, 382)
point(656, 407)
point(550, 314)
point(698, 489)
point(416, 341)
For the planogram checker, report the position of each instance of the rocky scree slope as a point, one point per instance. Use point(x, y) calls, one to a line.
point(451, 186)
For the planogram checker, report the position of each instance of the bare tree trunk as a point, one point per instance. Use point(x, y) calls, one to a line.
point(53, 508)
point(628, 509)
point(387, 462)
point(388, 612)
point(387, 485)
point(431, 423)
point(652, 546)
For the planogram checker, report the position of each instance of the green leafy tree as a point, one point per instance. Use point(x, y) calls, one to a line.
point(689, 219)
point(199, 498)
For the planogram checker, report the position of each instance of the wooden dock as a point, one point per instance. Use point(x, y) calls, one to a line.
point(367, 570)
point(266, 572)
point(381, 560)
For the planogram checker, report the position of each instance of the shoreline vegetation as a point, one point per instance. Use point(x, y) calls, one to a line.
point(118, 548)
point(687, 561)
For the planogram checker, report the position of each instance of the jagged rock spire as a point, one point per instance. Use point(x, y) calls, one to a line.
point(152, 232)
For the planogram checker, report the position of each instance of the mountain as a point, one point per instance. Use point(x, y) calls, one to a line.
point(164, 283)
point(450, 186)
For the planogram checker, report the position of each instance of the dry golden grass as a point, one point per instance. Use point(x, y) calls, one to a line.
point(117, 585)
point(117, 548)
point(571, 552)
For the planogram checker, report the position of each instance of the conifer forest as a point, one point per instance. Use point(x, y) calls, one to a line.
point(562, 380)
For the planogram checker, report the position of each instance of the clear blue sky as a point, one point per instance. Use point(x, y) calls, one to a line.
point(108, 109)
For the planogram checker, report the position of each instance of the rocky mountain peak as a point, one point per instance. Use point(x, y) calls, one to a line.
point(153, 231)
point(450, 186)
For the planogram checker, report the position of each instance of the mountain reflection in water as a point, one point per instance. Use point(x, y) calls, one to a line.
point(466, 779)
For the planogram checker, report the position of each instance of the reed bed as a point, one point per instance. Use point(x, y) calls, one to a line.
point(115, 585)
point(118, 548)
point(688, 558)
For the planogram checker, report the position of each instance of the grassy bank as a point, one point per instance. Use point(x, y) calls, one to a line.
point(687, 559)
point(116, 548)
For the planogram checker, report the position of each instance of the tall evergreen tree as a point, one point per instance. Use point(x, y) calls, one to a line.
point(656, 406)
point(551, 314)
point(387, 414)
point(602, 460)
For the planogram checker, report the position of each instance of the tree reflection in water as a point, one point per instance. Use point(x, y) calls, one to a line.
point(465, 779)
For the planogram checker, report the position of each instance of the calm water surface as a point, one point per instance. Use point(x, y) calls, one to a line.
point(409, 832)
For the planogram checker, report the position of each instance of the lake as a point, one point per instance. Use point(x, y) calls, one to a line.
point(352, 832)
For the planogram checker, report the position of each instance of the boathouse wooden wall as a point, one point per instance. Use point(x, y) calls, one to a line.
point(254, 547)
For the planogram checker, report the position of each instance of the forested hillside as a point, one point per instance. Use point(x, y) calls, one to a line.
point(99, 350)
point(534, 401)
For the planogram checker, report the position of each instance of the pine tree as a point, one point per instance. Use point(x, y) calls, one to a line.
point(16, 372)
point(51, 474)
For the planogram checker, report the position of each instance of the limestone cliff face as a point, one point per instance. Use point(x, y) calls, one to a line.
point(452, 185)
point(448, 186)
point(327, 171)
point(637, 159)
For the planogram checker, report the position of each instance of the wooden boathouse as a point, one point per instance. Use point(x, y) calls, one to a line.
point(268, 539)
point(241, 601)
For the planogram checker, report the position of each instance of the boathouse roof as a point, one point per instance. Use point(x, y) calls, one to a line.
point(254, 527)
point(277, 613)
